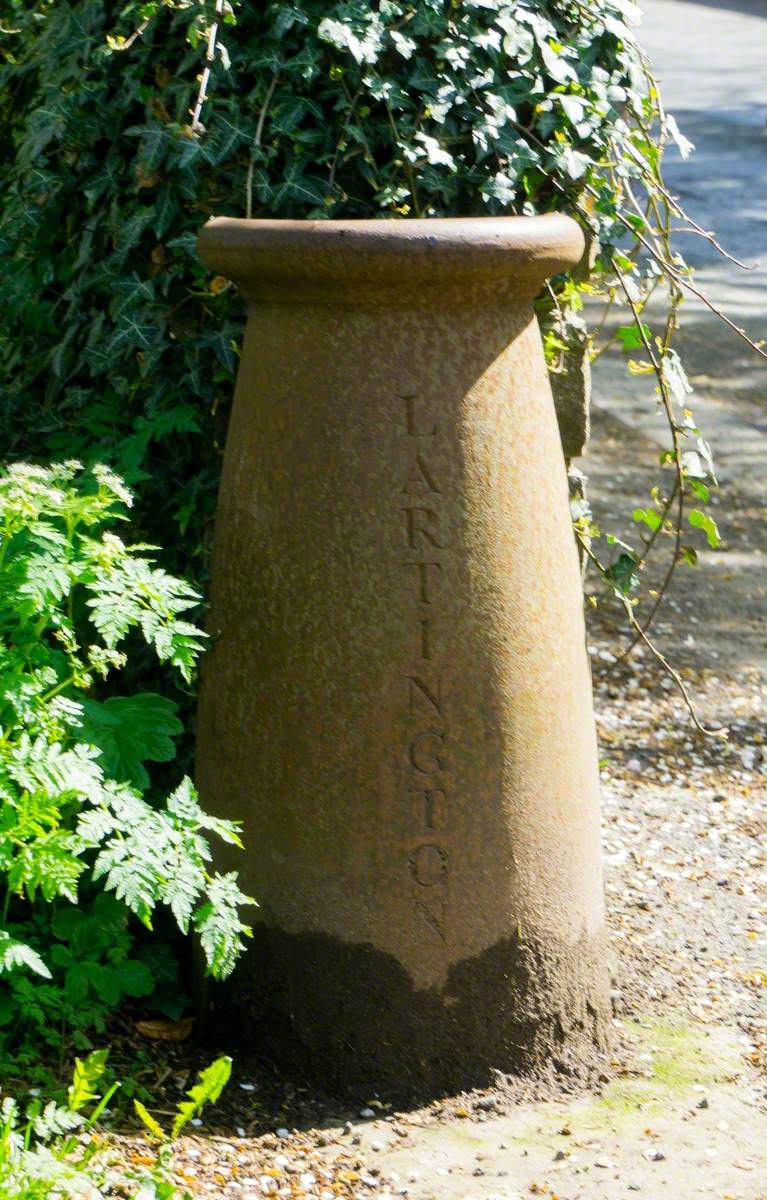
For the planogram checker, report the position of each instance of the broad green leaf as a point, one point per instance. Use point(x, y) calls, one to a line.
point(129, 731)
point(700, 520)
point(622, 574)
point(134, 977)
point(649, 517)
point(631, 337)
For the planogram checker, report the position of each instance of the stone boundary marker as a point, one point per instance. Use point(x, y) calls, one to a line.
point(397, 703)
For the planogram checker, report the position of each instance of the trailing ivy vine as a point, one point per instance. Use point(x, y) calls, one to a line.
point(124, 126)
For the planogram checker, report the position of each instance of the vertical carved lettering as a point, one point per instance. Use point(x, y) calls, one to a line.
point(432, 807)
point(417, 522)
point(425, 638)
point(423, 756)
point(428, 864)
point(425, 579)
point(431, 694)
point(411, 424)
point(421, 478)
point(432, 913)
point(427, 748)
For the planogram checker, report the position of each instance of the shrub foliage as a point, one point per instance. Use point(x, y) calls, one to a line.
point(125, 126)
point(77, 818)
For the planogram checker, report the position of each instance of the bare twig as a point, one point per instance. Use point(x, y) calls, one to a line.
point(257, 142)
point(720, 733)
point(656, 653)
point(126, 45)
point(210, 54)
point(677, 450)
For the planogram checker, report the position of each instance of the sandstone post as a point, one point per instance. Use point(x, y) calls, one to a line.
point(397, 703)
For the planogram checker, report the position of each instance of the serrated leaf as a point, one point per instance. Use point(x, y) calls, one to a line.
point(207, 1090)
point(148, 1121)
point(15, 955)
point(218, 923)
point(134, 977)
point(86, 1075)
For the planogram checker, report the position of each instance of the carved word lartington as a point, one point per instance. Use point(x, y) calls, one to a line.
point(427, 744)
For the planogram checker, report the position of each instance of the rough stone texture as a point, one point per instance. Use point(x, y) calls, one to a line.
point(571, 388)
point(397, 702)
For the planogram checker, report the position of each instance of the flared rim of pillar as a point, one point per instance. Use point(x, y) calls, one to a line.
point(396, 262)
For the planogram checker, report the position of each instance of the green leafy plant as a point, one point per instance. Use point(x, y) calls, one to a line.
point(54, 1151)
point(43, 1152)
point(90, 963)
point(207, 1090)
point(123, 130)
point(74, 809)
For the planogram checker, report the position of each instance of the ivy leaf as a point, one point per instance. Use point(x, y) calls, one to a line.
point(129, 731)
point(649, 517)
point(435, 154)
point(693, 466)
point(684, 144)
point(675, 376)
point(700, 488)
point(622, 574)
point(631, 336)
point(700, 520)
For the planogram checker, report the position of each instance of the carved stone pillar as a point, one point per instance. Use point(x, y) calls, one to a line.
point(397, 702)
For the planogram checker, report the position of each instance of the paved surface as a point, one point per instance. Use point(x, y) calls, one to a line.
point(711, 60)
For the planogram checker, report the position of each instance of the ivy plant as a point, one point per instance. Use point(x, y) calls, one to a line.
point(123, 128)
point(76, 813)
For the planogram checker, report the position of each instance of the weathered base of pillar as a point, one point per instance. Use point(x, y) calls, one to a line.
point(348, 1016)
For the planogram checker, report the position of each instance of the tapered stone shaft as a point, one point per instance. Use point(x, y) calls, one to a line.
point(397, 702)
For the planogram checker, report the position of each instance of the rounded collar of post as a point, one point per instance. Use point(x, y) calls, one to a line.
point(397, 262)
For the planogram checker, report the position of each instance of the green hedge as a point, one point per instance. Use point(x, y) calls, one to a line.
point(115, 344)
